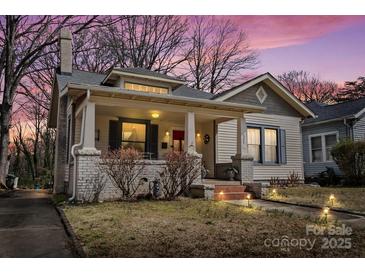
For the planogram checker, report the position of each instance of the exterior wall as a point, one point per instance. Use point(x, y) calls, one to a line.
point(88, 170)
point(274, 103)
point(313, 169)
point(359, 129)
point(227, 145)
point(60, 155)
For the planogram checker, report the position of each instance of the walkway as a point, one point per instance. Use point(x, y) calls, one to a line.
point(350, 219)
point(30, 227)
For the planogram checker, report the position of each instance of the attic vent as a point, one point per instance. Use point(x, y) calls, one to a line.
point(261, 94)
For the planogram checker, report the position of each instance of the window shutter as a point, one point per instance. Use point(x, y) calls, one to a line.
point(154, 141)
point(282, 143)
point(114, 135)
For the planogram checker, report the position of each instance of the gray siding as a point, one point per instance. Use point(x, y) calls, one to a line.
point(227, 143)
point(274, 103)
point(359, 129)
point(313, 169)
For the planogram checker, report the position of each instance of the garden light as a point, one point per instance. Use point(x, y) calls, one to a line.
point(332, 199)
point(326, 211)
point(248, 199)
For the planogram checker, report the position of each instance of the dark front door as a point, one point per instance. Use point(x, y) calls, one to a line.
point(178, 140)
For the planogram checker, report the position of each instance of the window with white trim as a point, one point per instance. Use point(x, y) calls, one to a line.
point(146, 88)
point(321, 146)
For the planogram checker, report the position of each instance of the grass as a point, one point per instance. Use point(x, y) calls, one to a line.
point(345, 198)
point(193, 228)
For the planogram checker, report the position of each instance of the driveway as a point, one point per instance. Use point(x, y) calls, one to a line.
point(30, 227)
point(351, 219)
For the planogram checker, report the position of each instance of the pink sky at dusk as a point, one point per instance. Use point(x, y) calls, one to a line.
point(332, 47)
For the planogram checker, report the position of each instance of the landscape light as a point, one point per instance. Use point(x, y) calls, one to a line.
point(274, 191)
point(326, 210)
point(332, 199)
point(248, 199)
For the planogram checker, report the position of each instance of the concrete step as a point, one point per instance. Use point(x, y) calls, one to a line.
point(230, 192)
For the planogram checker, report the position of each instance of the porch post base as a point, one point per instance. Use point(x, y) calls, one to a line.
point(87, 160)
point(244, 165)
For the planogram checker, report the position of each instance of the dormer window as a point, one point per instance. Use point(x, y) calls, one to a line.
point(146, 88)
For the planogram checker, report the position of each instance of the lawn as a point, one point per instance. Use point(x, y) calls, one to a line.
point(345, 198)
point(193, 228)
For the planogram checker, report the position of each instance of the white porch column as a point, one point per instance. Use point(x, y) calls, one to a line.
point(189, 133)
point(89, 137)
point(242, 149)
point(242, 160)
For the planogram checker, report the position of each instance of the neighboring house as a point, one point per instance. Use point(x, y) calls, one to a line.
point(332, 123)
point(254, 126)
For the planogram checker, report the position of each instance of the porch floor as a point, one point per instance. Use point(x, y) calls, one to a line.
point(220, 182)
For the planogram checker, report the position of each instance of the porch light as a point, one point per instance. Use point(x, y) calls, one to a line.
point(167, 133)
point(198, 134)
point(155, 115)
point(332, 199)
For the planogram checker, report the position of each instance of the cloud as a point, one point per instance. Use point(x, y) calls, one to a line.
point(281, 31)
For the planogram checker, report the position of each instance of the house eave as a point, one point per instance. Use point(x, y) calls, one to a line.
point(130, 74)
point(327, 121)
point(74, 90)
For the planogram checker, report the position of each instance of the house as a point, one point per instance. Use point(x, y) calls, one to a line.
point(344, 120)
point(254, 126)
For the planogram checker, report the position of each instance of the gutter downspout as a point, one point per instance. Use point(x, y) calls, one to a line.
point(77, 146)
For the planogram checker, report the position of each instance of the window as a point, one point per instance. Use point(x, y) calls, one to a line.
point(134, 136)
point(321, 146)
point(145, 88)
point(263, 144)
point(330, 141)
point(271, 145)
point(254, 143)
point(316, 143)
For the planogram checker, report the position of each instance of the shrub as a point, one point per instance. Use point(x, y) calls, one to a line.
point(95, 187)
point(124, 167)
point(181, 170)
point(350, 158)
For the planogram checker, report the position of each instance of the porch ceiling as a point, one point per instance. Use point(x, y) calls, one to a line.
point(146, 114)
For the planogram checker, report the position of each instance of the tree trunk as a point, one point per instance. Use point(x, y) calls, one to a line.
point(4, 141)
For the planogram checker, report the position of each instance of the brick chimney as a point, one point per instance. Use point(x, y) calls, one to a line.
point(66, 51)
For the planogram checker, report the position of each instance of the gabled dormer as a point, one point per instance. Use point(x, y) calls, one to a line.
point(142, 80)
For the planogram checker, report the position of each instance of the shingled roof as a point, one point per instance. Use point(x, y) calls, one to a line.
point(342, 110)
point(92, 78)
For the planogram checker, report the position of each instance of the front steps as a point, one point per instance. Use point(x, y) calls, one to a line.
point(231, 192)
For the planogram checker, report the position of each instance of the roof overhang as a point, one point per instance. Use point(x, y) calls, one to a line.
point(142, 76)
point(273, 83)
point(78, 90)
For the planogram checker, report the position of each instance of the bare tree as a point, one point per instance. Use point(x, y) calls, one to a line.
point(218, 56)
point(23, 40)
point(308, 87)
point(124, 168)
point(352, 90)
point(182, 170)
point(150, 42)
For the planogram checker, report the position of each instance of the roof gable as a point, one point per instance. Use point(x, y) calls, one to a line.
point(275, 85)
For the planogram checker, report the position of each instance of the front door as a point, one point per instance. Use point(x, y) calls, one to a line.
point(178, 140)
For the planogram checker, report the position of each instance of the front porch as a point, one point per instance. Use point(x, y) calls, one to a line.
point(98, 123)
